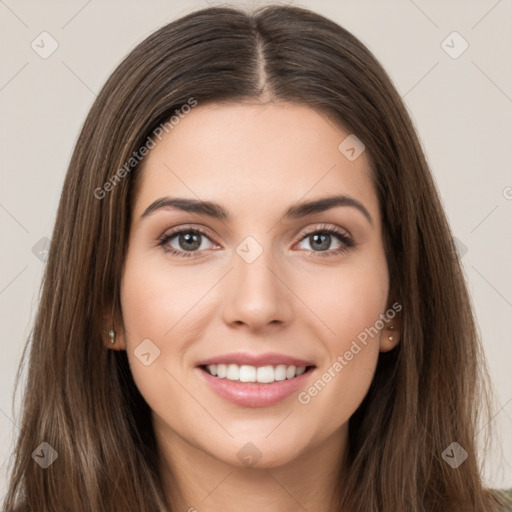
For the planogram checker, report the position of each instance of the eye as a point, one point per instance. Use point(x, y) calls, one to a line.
point(320, 240)
point(189, 242)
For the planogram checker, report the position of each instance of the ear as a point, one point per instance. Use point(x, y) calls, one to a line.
point(392, 331)
point(112, 332)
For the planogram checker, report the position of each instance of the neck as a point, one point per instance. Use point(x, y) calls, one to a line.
point(194, 480)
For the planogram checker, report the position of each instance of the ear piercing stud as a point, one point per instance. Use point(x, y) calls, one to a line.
point(111, 334)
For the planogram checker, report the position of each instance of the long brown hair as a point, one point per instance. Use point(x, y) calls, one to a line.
point(80, 398)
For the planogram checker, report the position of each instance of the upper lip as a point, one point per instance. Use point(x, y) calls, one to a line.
point(244, 358)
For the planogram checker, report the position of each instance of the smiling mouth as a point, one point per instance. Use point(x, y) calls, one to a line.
point(256, 374)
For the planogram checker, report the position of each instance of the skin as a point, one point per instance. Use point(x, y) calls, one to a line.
point(256, 160)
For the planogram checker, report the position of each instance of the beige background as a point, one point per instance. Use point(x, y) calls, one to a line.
point(462, 109)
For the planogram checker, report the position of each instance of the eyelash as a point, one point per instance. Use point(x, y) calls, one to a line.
point(345, 239)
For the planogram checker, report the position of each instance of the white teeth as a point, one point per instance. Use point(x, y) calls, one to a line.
point(265, 374)
point(233, 372)
point(280, 372)
point(261, 374)
point(290, 372)
point(247, 373)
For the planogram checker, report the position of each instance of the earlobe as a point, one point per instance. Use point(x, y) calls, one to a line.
point(391, 333)
point(115, 340)
point(389, 339)
point(112, 334)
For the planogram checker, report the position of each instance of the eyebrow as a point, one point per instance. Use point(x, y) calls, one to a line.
point(216, 211)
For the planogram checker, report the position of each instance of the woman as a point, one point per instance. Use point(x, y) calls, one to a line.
point(252, 298)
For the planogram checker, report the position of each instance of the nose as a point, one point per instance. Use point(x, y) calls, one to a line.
point(257, 294)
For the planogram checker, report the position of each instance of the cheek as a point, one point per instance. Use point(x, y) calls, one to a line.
point(351, 305)
point(157, 303)
point(346, 374)
point(348, 299)
point(155, 306)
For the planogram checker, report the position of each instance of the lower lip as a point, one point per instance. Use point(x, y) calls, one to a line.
point(254, 394)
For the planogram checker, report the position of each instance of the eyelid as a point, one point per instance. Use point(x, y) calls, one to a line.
point(343, 235)
point(326, 227)
point(170, 233)
point(202, 230)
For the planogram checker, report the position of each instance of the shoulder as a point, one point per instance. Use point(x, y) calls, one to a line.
point(508, 497)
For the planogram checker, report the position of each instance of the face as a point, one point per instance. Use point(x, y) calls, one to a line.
point(261, 291)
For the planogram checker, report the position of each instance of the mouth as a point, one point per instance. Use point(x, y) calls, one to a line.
point(267, 374)
point(255, 386)
point(255, 380)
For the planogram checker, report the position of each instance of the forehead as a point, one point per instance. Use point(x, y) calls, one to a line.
point(254, 156)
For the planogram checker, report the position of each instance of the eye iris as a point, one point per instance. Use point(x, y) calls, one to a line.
point(324, 245)
point(190, 238)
